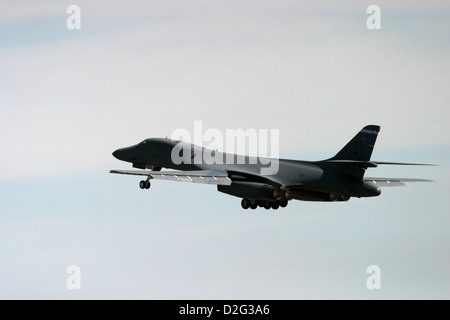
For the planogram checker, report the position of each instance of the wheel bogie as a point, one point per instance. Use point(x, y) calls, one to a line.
point(266, 204)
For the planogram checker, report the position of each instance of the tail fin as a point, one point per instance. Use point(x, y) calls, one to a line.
point(361, 146)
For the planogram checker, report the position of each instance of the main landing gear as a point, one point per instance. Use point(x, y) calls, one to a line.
point(267, 204)
point(144, 184)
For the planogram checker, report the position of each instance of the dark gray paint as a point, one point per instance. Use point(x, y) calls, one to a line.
point(335, 179)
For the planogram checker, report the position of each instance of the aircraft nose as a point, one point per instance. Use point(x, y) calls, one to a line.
point(125, 154)
point(117, 154)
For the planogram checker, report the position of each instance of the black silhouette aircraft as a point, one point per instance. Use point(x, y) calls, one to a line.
point(257, 180)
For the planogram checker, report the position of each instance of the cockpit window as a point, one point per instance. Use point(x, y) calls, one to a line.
point(145, 141)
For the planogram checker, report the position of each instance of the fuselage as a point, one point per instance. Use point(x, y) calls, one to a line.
point(262, 177)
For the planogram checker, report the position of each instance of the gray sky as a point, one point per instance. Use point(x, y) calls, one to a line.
point(314, 71)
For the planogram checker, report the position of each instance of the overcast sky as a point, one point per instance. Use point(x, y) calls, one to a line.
point(315, 72)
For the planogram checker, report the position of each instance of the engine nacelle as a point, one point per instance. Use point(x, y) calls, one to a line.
point(249, 190)
point(339, 197)
point(307, 195)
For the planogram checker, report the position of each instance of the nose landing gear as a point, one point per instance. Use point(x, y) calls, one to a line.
point(144, 184)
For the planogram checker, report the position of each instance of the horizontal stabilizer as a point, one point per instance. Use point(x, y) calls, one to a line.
point(394, 182)
point(404, 163)
point(362, 164)
point(216, 177)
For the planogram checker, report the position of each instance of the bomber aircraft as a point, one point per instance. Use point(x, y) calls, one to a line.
point(336, 179)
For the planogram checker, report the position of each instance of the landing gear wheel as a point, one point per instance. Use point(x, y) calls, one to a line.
point(147, 184)
point(283, 203)
point(253, 203)
point(245, 203)
point(275, 205)
point(267, 205)
point(142, 184)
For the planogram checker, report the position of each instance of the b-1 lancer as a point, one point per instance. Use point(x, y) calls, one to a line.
point(336, 179)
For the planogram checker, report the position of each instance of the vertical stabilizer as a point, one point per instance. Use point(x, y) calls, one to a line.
point(361, 146)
